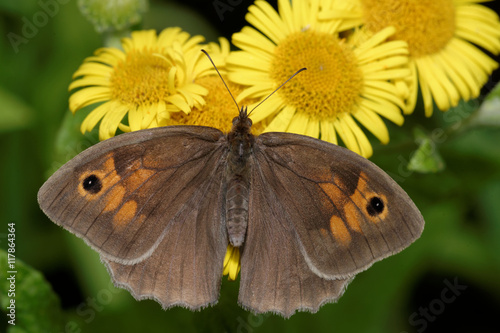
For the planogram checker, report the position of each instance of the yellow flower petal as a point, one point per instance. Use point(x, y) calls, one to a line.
point(392, 48)
point(135, 118)
point(95, 116)
point(412, 87)
point(263, 111)
point(347, 136)
point(93, 68)
point(110, 122)
point(88, 96)
point(373, 123)
point(328, 132)
point(281, 121)
point(264, 18)
point(255, 41)
point(298, 124)
point(312, 129)
point(384, 109)
point(426, 95)
point(89, 80)
point(362, 141)
point(440, 89)
point(231, 263)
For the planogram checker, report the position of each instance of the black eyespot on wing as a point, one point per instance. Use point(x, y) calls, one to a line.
point(375, 206)
point(92, 184)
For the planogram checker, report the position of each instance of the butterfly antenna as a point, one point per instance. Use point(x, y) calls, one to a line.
point(275, 90)
point(229, 91)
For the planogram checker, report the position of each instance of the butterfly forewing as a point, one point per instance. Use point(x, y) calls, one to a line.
point(122, 196)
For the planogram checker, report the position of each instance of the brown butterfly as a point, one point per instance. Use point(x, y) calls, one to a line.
point(161, 205)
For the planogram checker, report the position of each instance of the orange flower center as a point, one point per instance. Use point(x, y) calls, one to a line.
point(332, 82)
point(219, 109)
point(427, 25)
point(142, 79)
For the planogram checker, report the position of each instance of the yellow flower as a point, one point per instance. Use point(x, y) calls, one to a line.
point(440, 34)
point(219, 109)
point(232, 262)
point(347, 82)
point(151, 77)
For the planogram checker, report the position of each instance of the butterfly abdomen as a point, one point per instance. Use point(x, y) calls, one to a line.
point(238, 178)
point(237, 210)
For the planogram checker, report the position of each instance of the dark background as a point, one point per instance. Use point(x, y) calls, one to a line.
point(404, 293)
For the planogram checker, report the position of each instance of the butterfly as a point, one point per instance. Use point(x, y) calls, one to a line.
point(161, 205)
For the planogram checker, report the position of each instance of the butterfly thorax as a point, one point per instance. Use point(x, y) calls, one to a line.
point(238, 177)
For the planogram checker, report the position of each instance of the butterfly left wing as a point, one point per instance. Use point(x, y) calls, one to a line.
point(275, 276)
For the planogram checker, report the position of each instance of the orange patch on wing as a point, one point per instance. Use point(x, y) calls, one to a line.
point(129, 185)
point(333, 192)
point(351, 214)
point(114, 198)
point(323, 232)
point(109, 165)
point(339, 230)
point(340, 199)
point(125, 215)
point(135, 180)
point(353, 209)
point(141, 218)
point(361, 196)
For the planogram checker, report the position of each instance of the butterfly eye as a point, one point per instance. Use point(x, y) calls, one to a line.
point(92, 184)
point(375, 206)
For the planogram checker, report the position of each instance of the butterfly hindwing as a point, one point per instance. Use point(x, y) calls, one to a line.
point(274, 274)
point(345, 211)
point(186, 267)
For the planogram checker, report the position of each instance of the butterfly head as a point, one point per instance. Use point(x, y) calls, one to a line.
point(241, 126)
point(242, 120)
point(240, 138)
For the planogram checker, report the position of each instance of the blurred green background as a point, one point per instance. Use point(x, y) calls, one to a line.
point(62, 286)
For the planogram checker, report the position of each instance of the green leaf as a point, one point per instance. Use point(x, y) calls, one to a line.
point(426, 159)
point(37, 307)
